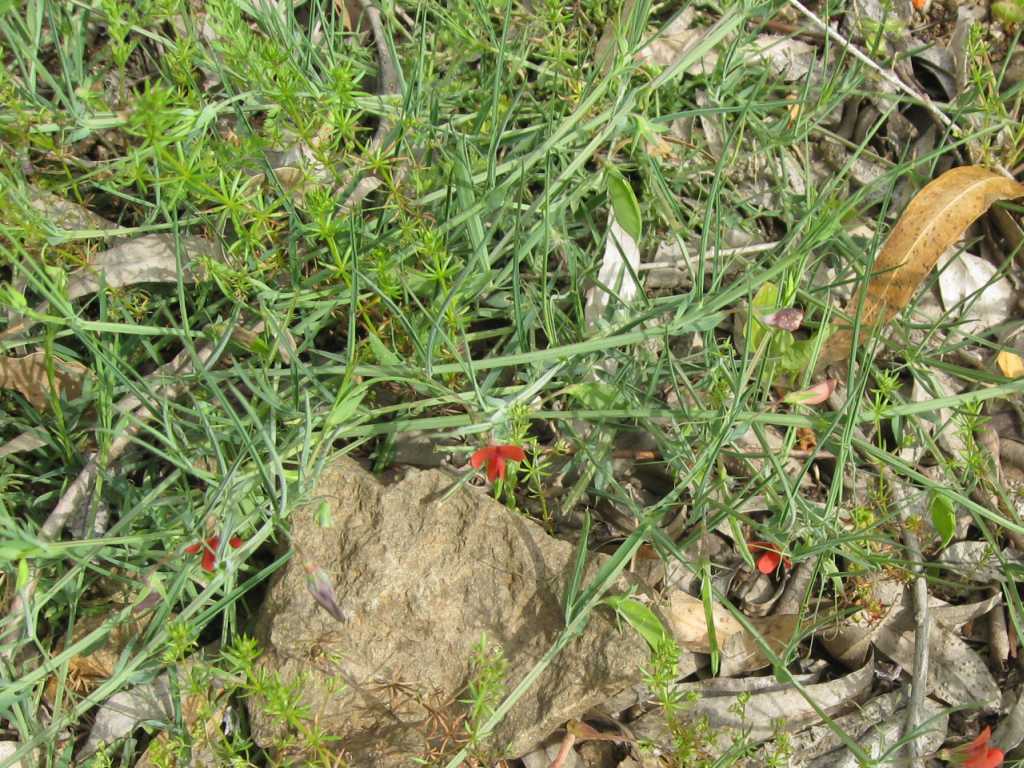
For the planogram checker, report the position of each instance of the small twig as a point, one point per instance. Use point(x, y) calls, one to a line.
point(886, 75)
point(75, 495)
point(563, 751)
point(742, 250)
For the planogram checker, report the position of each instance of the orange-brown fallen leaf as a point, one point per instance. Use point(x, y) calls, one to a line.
point(934, 220)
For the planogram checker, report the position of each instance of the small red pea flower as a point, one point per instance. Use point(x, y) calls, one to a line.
point(209, 548)
point(976, 753)
point(495, 456)
point(768, 562)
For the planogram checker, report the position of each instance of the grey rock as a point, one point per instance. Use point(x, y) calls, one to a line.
point(419, 578)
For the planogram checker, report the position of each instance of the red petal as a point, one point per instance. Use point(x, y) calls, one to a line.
point(768, 562)
point(485, 454)
point(511, 452)
point(209, 560)
point(980, 742)
point(496, 468)
point(193, 548)
point(992, 758)
point(235, 542)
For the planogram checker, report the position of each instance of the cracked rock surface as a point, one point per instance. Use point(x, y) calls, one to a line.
point(419, 581)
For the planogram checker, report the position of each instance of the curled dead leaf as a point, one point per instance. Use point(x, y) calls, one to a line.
point(934, 220)
point(28, 375)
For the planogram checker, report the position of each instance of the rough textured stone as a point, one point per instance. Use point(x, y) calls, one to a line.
point(420, 578)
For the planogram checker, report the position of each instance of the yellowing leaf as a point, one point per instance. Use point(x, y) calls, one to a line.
point(27, 374)
point(934, 220)
point(1010, 364)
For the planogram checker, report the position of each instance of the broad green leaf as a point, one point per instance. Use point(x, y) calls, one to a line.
point(624, 203)
point(943, 517)
point(763, 303)
point(641, 618)
point(345, 406)
point(384, 355)
point(597, 396)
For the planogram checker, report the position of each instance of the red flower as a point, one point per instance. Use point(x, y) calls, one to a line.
point(976, 753)
point(772, 557)
point(209, 548)
point(495, 456)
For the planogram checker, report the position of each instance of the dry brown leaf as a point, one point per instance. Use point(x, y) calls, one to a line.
point(741, 653)
point(87, 671)
point(27, 374)
point(934, 220)
point(145, 259)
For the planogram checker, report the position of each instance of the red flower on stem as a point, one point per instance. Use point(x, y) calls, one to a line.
point(772, 557)
point(209, 548)
point(976, 753)
point(495, 456)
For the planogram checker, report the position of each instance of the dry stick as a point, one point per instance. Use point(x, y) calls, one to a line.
point(886, 75)
point(79, 489)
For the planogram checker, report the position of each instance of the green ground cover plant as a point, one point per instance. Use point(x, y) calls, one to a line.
point(239, 237)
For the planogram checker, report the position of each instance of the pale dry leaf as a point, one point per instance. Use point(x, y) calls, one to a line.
point(123, 712)
point(145, 259)
point(977, 562)
point(941, 421)
point(934, 220)
point(1010, 731)
point(26, 441)
point(65, 214)
point(203, 753)
point(882, 737)
point(970, 283)
point(676, 37)
point(27, 374)
point(758, 718)
point(620, 249)
point(7, 750)
point(957, 675)
point(820, 739)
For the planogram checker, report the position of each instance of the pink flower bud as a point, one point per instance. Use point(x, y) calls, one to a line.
point(319, 585)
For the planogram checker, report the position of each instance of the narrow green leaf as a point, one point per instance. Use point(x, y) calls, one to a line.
point(943, 517)
point(709, 616)
point(572, 589)
point(624, 203)
point(345, 406)
point(640, 617)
